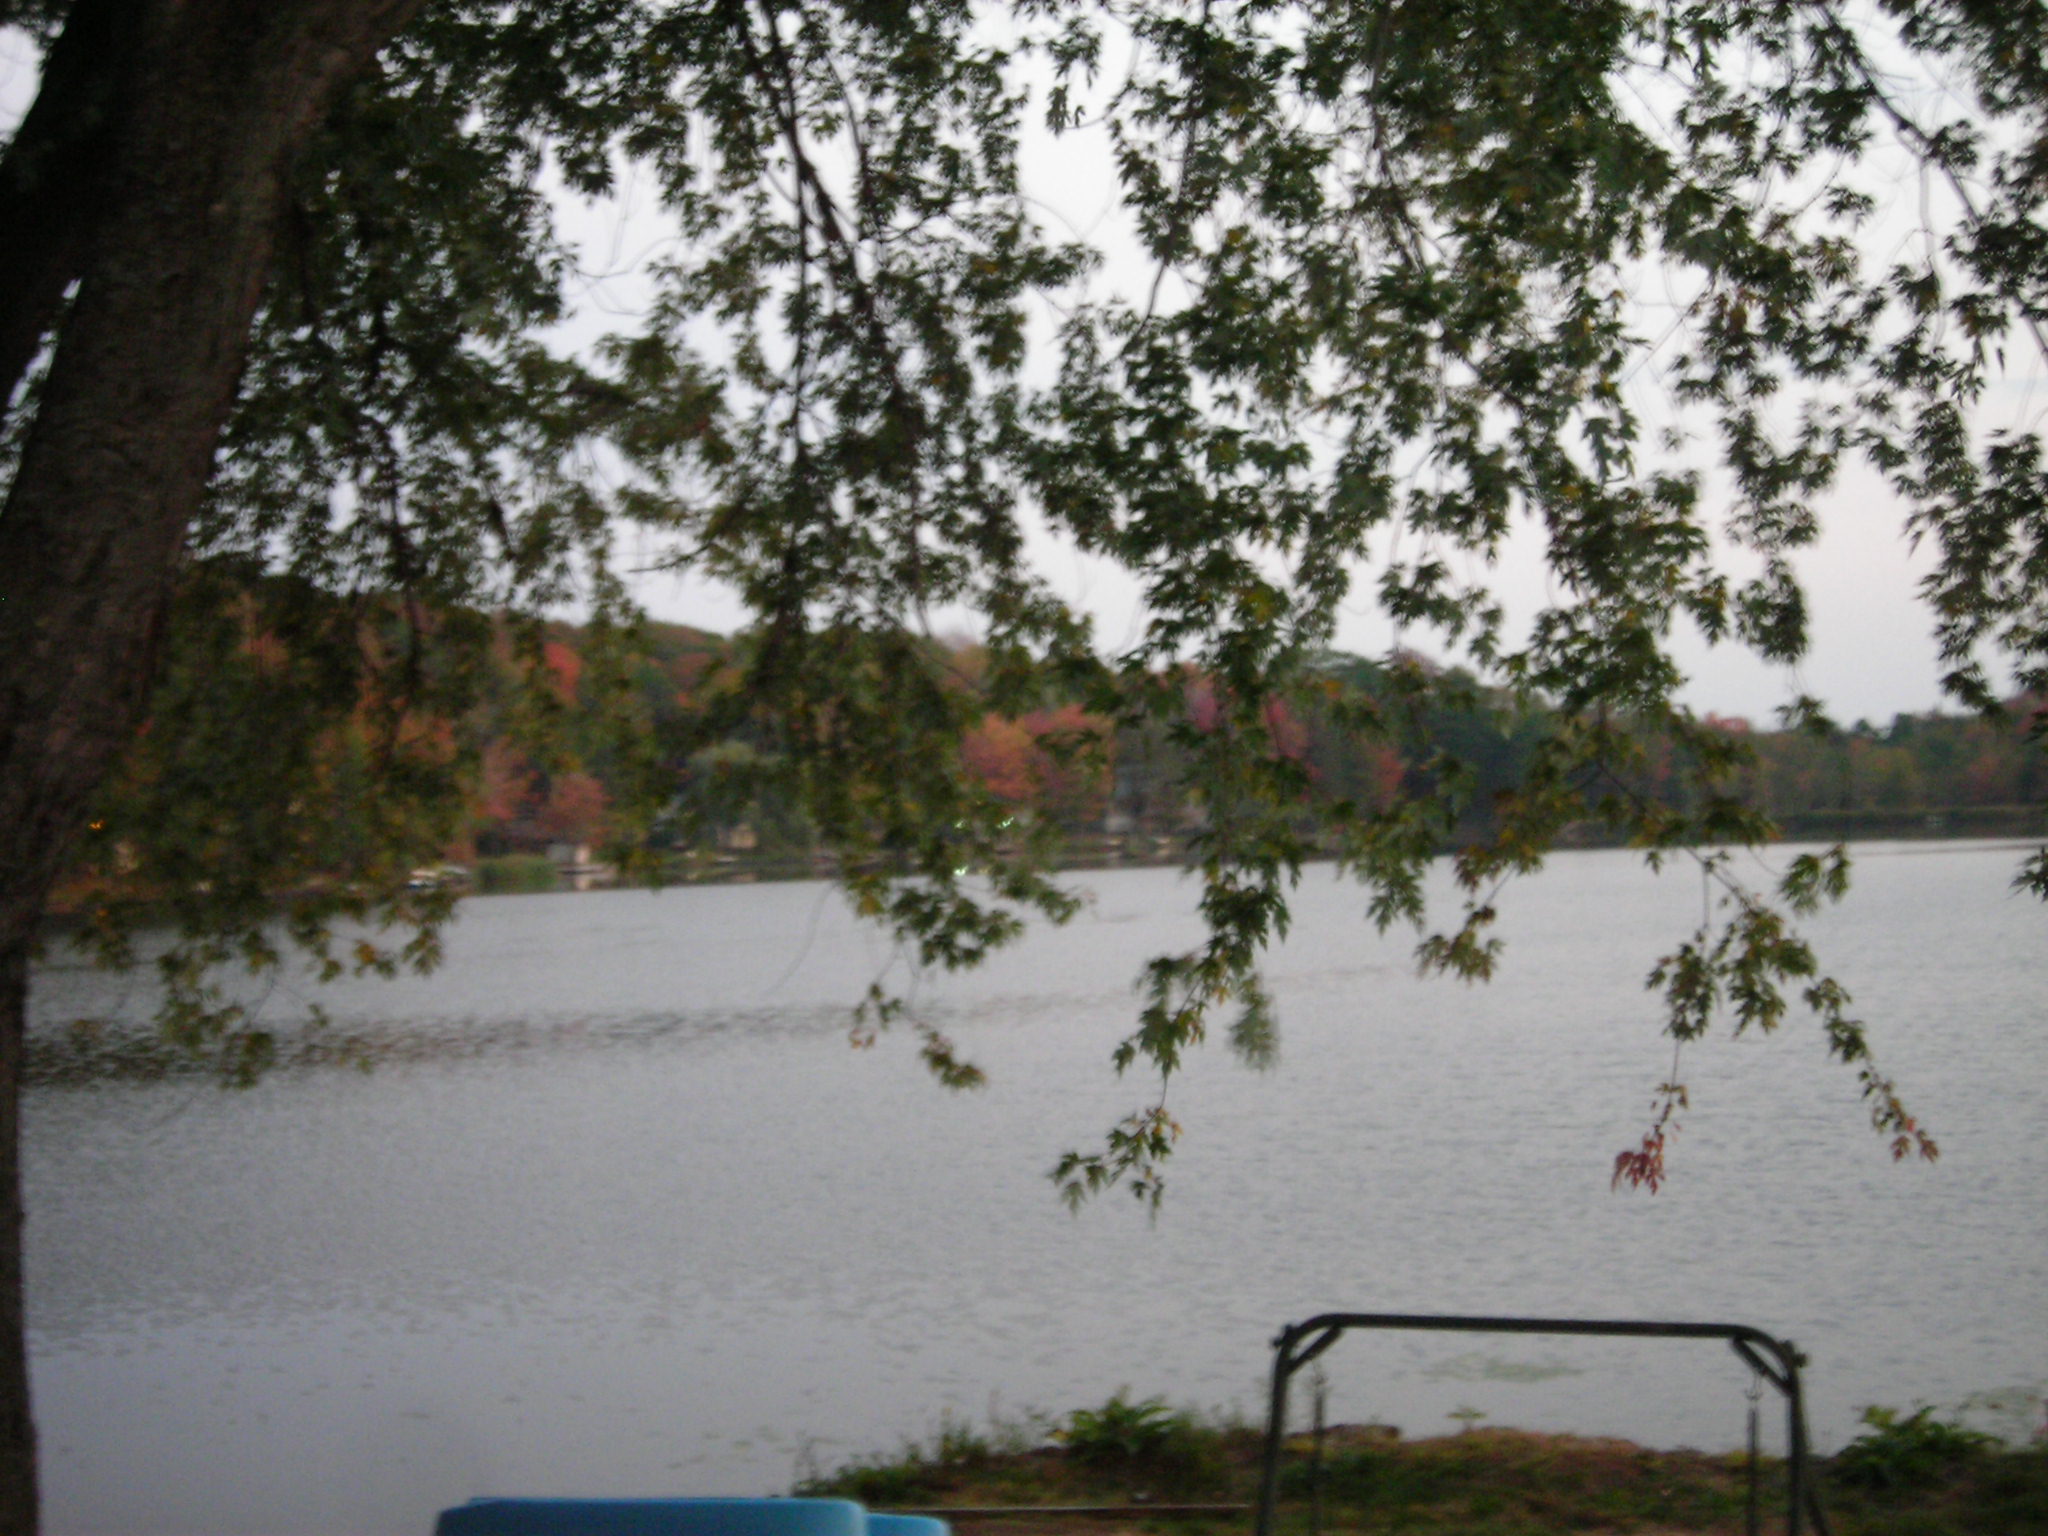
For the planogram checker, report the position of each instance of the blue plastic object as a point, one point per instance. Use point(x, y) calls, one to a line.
point(663, 1517)
point(907, 1525)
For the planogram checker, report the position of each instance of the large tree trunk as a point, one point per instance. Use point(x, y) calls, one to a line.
point(216, 99)
point(17, 1428)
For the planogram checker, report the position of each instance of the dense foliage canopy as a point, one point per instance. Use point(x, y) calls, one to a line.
point(1380, 289)
point(305, 432)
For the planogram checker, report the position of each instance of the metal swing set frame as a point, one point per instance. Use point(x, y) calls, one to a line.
point(1772, 1360)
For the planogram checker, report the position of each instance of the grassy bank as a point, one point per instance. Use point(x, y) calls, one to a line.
point(1139, 1467)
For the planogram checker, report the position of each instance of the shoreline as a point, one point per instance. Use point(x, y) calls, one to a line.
point(2017, 828)
point(1130, 1468)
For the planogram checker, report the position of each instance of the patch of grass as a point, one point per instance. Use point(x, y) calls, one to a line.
point(1986, 1492)
point(1499, 1480)
point(1484, 1482)
point(959, 1464)
point(523, 873)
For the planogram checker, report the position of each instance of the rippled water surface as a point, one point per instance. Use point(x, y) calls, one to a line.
point(619, 1211)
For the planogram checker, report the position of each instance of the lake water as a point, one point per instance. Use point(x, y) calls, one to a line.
point(621, 1212)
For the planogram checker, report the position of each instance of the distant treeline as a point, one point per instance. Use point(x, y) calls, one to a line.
point(1118, 790)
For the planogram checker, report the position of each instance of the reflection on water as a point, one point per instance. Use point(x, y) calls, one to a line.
point(619, 1211)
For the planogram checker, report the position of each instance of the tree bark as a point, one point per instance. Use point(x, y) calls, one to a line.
point(17, 1426)
point(53, 176)
point(170, 256)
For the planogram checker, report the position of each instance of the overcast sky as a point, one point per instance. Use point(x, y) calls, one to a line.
point(1871, 658)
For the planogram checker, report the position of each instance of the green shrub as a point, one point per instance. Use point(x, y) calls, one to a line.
point(1907, 1450)
point(1121, 1430)
point(1170, 1449)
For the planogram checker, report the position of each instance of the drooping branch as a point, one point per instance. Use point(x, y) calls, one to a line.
point(1930, 151)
